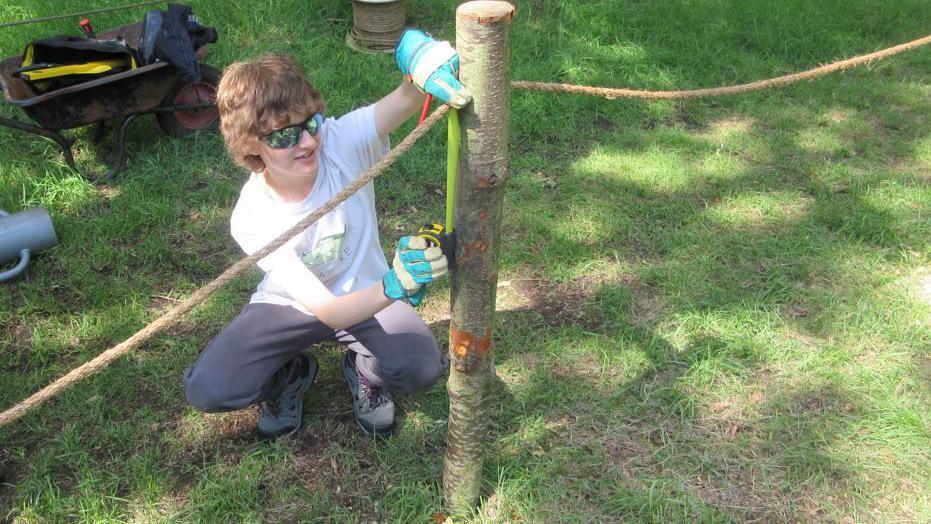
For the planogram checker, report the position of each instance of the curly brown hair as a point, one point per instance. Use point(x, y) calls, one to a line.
point(254, 96)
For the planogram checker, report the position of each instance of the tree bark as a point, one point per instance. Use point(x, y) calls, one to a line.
point(483, 43)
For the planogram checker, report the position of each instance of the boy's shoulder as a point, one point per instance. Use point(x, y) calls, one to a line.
point(252, 191)
point(355, 124)
point(352, 142)
point(252, 199)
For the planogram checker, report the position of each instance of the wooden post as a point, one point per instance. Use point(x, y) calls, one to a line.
point(483, 42)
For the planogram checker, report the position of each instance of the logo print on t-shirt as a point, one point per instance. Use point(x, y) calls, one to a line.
point(324, 257)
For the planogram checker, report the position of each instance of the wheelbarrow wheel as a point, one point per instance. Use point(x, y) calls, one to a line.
point(187, 121)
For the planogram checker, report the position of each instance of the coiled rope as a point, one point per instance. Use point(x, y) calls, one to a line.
point(781, 81)
point(174, 314)
point(376, 26)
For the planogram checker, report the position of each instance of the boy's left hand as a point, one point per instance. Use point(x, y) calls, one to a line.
point(433, 66)
point(415, 265)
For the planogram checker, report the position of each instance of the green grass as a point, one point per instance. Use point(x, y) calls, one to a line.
point(713, 310)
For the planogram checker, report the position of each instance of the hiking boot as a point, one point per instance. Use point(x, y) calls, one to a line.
point(282, 415)
point(374, 410)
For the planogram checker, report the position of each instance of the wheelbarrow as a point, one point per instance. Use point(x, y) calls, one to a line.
point(180, 108)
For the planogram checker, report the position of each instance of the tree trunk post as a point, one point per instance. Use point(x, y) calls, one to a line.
point(483, 42)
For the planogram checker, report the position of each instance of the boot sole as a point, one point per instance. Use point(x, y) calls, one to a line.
point(372, 430)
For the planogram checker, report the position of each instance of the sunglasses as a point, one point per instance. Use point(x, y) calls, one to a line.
point(289, 136)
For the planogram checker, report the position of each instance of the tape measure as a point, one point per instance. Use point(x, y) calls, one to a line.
point(437, 236)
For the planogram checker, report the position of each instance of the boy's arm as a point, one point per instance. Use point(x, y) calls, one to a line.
point(341, 312)
point(415, 265)
point(396, 107)
point(338, 312)
point(430, 66)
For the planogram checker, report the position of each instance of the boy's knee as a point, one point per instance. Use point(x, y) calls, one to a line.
point(207, 394)
point(413, 377)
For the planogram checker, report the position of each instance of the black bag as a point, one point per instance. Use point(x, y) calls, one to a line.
point(174, 36)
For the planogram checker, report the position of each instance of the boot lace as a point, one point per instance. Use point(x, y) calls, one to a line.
point(372, 394)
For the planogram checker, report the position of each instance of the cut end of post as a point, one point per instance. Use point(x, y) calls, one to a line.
point(486, 11)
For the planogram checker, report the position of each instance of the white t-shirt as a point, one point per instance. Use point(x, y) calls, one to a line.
point(341, 252)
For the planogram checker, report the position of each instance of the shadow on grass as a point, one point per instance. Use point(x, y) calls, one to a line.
point(786, 449)
point(585, 436)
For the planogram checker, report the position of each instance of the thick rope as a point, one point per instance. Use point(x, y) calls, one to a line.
point(101, 361)
point(82, 13)
point(781, 81)
point(377, 27)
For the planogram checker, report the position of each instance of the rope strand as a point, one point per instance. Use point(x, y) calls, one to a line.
point(781, 81)
point(82, 13)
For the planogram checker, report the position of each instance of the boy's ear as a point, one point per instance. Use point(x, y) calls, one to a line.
point(254, 162)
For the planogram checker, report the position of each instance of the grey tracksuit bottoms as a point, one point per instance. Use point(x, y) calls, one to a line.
point(250, 360)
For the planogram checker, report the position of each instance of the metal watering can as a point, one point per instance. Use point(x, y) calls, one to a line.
point(21, 234)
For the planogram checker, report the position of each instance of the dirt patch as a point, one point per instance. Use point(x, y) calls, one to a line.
point(737, 492)
point(794, 311)
point(647, 305)
point(211, 428)
point(923, 368)
point(585, 367)
point(837, 116)
point(630, 447)
point(724, 127)
point(558, 304)
point(18, 341)
point(11, 472)
point(160, 302)
point(330, 459)
point(328, 455)
point(571, 303)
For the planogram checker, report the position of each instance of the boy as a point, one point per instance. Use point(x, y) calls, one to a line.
point(331, 282)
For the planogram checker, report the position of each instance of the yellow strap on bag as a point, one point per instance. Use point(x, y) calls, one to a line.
point(89, 68)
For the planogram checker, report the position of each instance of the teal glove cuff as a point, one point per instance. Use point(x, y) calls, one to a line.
point(394, 289)
point(410, 43)
point(417, 297)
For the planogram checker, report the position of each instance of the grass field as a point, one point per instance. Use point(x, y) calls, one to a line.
point(714, 310)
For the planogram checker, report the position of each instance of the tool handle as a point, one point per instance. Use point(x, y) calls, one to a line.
point(452, 165)
point(425, 108)
point(88, 29)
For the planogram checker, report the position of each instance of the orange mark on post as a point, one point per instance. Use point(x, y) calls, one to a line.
point(465, 345)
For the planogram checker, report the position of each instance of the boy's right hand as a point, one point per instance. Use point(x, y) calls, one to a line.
point(432, 65)
point(415, 265)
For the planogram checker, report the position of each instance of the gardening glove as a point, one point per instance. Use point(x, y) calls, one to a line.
point(415, 265)
point(432, 65)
